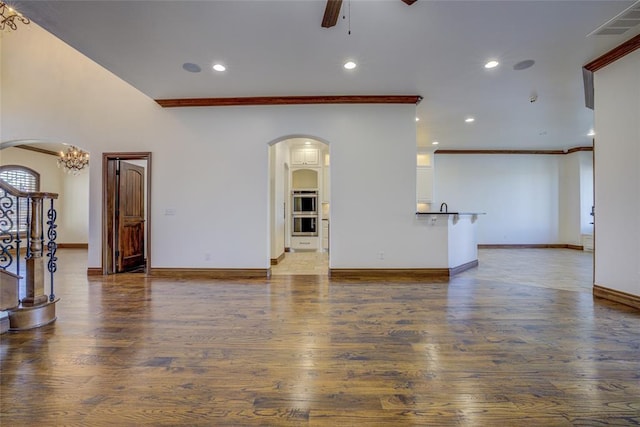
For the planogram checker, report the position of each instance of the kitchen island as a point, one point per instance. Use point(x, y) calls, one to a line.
point(455, 235)
point(438, 245)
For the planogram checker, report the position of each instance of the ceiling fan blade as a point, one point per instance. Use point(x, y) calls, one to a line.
point(331, 13)
point(409, 2)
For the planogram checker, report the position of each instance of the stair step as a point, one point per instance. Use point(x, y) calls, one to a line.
point(23, 318)
point(4, 322)
point(9, 283)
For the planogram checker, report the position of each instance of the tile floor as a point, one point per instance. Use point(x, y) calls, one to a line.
point(304, 263)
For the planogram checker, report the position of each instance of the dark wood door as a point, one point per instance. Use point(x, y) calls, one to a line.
point(130, 218)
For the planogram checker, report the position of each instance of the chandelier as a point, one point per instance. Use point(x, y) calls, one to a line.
point(9, 16)
point(73, 160)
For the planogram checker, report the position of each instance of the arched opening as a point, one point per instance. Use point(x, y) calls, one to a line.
point(299, 198)
point(72, 204)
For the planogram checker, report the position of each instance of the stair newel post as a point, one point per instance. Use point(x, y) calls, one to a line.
point(35, 264)
point(52, 246)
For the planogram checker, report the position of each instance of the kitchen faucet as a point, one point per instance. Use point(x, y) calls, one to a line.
point(444, 205)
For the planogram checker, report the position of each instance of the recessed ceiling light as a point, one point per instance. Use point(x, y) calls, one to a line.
point(491, 64)
point(219, 67)
point(592, 133)
point(190, 67)
point(469, 120)
point(350, 65)
point(307, 143)
point(435, 143)
point(417, 119)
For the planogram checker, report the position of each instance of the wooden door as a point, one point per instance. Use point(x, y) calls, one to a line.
point(130, 218)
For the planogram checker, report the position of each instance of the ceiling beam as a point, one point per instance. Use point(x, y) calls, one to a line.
point(290, 100)
point(331, 13)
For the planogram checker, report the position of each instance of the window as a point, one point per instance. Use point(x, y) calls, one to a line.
point(23, 179)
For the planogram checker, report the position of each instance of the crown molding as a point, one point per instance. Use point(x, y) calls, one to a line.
point(545, 152)
point(289, 100)
point(38, 150)
point(614, 54)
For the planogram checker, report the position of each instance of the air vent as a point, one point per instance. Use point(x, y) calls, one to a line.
point(611, 31)
point(621, 23)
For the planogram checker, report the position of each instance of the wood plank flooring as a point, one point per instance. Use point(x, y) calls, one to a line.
point(484, 349)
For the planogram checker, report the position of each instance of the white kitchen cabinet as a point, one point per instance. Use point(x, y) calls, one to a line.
point(424, 184)
point(423, 159)
point(304, 242)
point(424, 177)
point(305, 157)
point(326, 185)
point(325, 234)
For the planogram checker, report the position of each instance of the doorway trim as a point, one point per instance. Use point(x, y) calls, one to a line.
point(107, 249)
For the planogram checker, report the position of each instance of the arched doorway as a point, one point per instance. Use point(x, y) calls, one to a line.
point(73, 189)
point(299, 194)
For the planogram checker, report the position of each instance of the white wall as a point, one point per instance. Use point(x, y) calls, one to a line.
point(278, 156)
point(210, 165)
point(586, 192)
point(617, 175)
point(373, 192)
point(569, 199)
point(72, 205)
point(519, 194)
point(528, 198)
point(74, 220)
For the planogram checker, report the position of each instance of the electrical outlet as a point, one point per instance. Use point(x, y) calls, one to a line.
point(380, 255)
point(207, 257)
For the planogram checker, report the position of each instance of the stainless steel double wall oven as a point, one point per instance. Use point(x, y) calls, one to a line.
point(305, 212)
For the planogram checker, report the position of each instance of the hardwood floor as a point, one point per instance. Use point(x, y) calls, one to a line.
point(484, 349)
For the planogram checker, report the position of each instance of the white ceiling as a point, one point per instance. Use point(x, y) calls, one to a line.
point(435, 49)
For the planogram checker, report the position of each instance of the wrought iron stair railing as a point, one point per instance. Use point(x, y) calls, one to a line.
point(25, 228)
